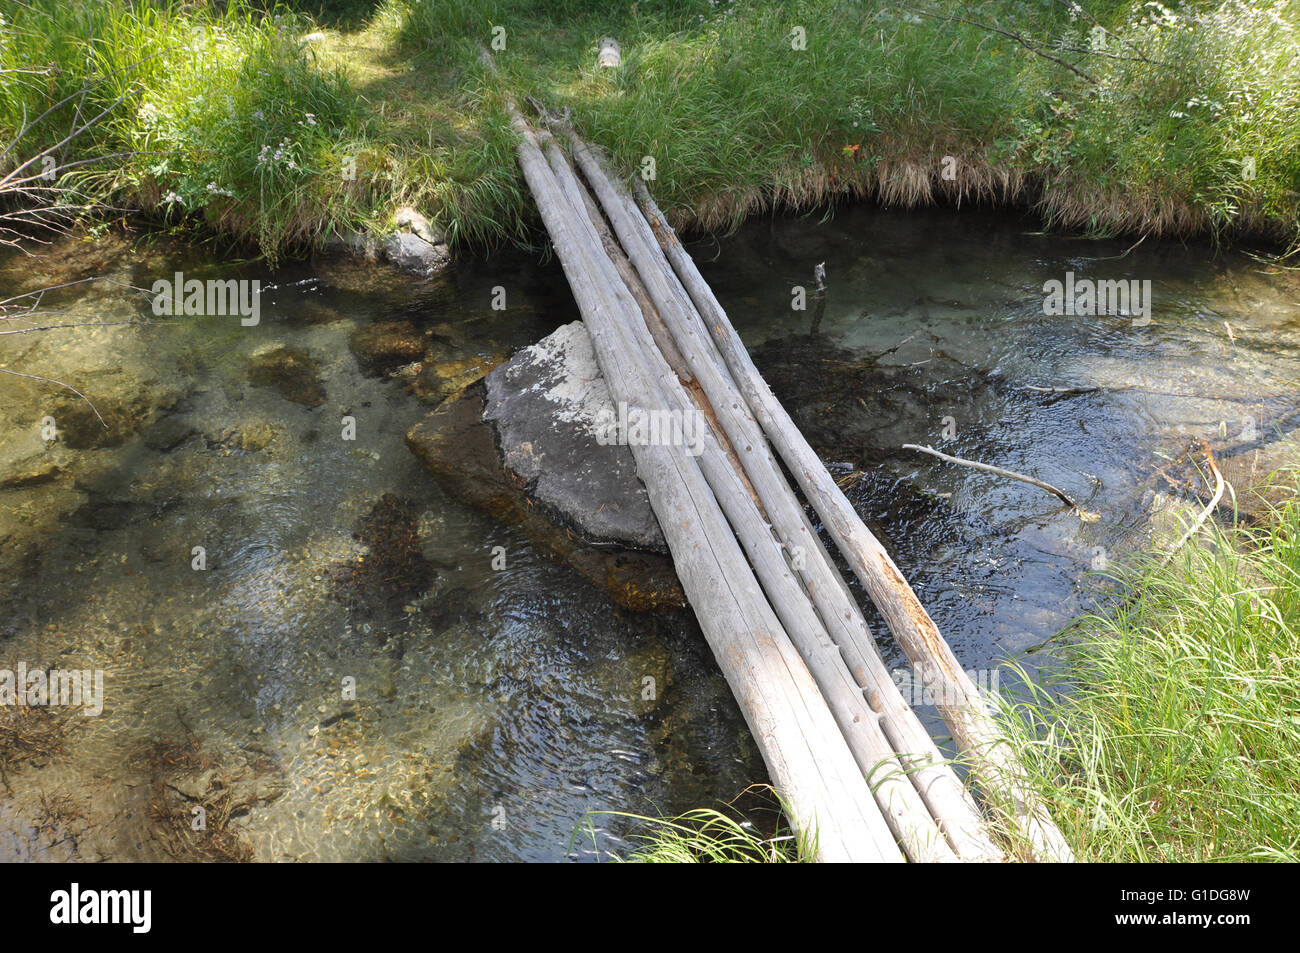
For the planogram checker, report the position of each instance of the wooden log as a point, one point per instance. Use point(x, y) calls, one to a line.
point(960, 704)
point(903, 809)
point(807, 757)
point(942, 793)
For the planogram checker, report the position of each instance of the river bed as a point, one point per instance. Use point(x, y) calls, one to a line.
point(495, 707)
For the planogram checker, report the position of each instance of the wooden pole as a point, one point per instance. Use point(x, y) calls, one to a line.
point(940, 789)
point(807, 757)
point(904, 810)
point(959, 701)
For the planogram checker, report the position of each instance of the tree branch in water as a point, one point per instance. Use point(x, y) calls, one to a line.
point(1055, 491)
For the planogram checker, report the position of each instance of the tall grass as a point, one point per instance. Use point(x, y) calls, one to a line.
point(1172, 733)
point(708, 835)
point(223, 117)
point(1185, 122)
point(1179, 733)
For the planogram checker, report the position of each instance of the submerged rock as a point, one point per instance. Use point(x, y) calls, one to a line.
point(32, 471)
point(392, 568)
point(250, 437)
point(291, 371)
point(380, 348)
point(856, 407)
point(612, 541)
point(438, 380)
point(108, 423)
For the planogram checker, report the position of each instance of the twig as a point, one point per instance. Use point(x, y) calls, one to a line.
point(1205, 513)
point(888, 351)
point(84, 324)
point(1028, 43)
point(1062, 390)
point(51, 380)
point(1055, 491)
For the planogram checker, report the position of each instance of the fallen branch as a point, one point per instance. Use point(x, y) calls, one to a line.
point(1062, 390)
point(1055, 491)
point(51, 380)
point(1205, 513)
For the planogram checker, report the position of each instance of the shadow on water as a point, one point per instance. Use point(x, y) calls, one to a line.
point(493, 707)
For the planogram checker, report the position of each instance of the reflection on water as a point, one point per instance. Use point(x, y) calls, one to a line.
point(494, 708)
point(953, 304)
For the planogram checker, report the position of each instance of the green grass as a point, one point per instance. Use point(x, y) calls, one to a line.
point(1179, 734)
point(1153, 141)
point(708, 836)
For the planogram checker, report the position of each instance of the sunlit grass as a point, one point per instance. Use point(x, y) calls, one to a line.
point(1188, 124)
point(708, 836)
point(1179, 733)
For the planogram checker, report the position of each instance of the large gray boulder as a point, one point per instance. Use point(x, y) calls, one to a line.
point(522, 444)
point(544, 403)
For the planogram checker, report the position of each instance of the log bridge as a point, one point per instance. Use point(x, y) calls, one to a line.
point(860, 777)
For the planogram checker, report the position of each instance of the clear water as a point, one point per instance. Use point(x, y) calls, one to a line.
point(497, 708)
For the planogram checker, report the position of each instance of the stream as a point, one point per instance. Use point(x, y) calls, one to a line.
point(495, 708)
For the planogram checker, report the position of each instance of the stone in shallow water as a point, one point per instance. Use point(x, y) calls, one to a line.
point(412, 253)
point(436, 381)
point(546, 397)
point(381, 347)
point(33, 471)
point(291, 371)
point(109, 423)
point(544, 403)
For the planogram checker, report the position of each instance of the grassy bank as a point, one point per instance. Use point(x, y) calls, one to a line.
point(1180, 732)
point(280, 125)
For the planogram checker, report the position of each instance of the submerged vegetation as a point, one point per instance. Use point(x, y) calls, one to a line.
point(1178, 738)
point(283, 124)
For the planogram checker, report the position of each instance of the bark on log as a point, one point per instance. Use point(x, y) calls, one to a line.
point(807, 757)
point(942, 793)
point(962, 707)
